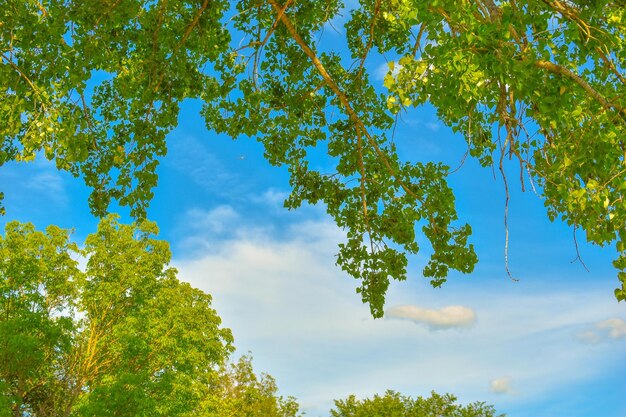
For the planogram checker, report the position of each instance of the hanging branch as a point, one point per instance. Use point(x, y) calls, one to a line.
point(340, 95)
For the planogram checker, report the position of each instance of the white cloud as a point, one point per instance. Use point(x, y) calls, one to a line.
point(500, 385)
point(615, 326)
point(444, 318)
point(603, 331)
point(194, 159)
point(216, 220)
point(279, 291)
point(273, 197)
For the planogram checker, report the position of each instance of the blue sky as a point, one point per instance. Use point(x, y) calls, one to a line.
point(551, 345)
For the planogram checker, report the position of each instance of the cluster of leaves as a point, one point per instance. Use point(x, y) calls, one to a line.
point(139, 59)
point(121, 336)
point(150, 56)
point(238, 391)
point(549, 76)
point(96, 86)
point(296, 99)
point(393, 404)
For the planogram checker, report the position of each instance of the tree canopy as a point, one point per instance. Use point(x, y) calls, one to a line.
point(393, 404)
point(96, 87)
point(119, 337)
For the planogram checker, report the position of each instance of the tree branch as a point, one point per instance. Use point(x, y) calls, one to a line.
point(24, 76)
point(340, 94)
point(193, 24)
point(559, 70)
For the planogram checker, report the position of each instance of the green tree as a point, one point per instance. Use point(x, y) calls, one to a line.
point(39, 281)
point(392, 404)
point(96, 86)
point(239, 392)
point(122, 338)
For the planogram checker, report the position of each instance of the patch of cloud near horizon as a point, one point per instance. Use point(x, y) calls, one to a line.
point(604, 331)
point(444, 318)
point(500, 385)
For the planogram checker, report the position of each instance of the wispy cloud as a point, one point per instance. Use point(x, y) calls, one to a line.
point(604, 331)
point(193, 158)
point(216, 220)
point(444, 318)
point(433, 126)
point(589, 337)
point(39, 181)
point(272, 198)
point(285, 300)
point(47, 181)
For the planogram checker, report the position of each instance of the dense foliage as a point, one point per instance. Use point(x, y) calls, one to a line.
point(96, 86)
point(393, 404)
point(121, 337)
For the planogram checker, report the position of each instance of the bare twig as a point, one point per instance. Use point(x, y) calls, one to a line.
point(506, 211)
point(578, 257)
point(362, 184)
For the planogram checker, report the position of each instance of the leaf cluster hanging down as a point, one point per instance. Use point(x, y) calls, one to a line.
point(96, 86)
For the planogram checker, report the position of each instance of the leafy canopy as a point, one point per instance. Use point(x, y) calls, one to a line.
point(96, 87)
point(123, 337)
point(393, 404)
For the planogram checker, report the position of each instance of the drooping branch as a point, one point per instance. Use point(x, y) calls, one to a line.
point(330, 82)
point(190, 27)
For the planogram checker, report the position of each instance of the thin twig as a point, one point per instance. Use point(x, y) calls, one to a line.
point(370, 40)
point(188, 30)
point(506, 211)
point(362, 185)
point(611, 65)
point(578, 257)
